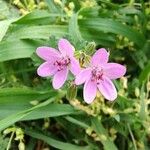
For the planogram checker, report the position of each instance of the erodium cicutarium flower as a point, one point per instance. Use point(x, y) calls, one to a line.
point(98, 76)
point(58, 63)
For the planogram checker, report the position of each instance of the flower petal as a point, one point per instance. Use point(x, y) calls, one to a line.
point(114, 70)
point(60, 78)
point(107, 89)
point(48, 53)
point(100, 57)
point(83, 76)
point(46, 69)
point(65, 47)
point(89, 91)
point(74, 66)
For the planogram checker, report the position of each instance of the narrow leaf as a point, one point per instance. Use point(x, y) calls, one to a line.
point(103, 135)
point(55, 143)
point(109, 25)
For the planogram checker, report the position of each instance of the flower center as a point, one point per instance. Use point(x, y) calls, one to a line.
point(62, 63)
point(97, 74)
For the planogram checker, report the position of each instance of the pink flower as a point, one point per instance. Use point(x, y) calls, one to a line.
point(58, 63)
point(99, 76)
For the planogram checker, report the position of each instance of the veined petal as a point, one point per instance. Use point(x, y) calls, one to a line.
point(74, 66)
point(114, 70)
point(89, 91)
point(100, 57)
point(107, 89)
point(48, 53)
point(60, 78)
point(65, 47)
point(83, 76)
point(46, 69)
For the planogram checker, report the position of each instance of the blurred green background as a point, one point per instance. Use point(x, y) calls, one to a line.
point(33, 116)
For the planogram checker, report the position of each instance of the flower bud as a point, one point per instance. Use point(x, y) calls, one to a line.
point(19, 134)
point(137, 92)
point(89, 131)
point(71, 92)
point(58, 2)
point(124, 81)
point(148, 86)
point(21, 146)
point(90, 48)
point(71, 5)
point(9, 130)
point(103, 137)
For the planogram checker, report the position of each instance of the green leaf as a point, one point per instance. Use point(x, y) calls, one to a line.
point(37, 112)
point(74, 28)
point(6, 122)
point(106, 40)
point(4, 25)
point(21, 96)
point(143, 106)
point(3, 142)
point(55, 143)
point(7, 11)
point(15, 105)
point(77, 122)
point(37, 17)
point(103, 135)
point(38, 32)
point(17, 49)
point(13, 100)
point(145, 73)
point(111, 26)
point(52, 110)
point(129, 10)
point(52, 6)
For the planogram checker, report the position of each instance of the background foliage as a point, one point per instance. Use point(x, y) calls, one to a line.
point(33, 115)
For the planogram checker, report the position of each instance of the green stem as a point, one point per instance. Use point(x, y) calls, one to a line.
point(131, 3)
point(132, 137)
point(145, 17)
point(9, 143)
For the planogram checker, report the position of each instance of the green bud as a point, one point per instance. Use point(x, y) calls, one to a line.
point(9, 130)
point(148, 86)
point(46, 125)
point(137, 92)
point(42, 5)
point(19, 134)
point(89, 131)
point(103, 137)
point(90, 48)
point(72, 92)
point(71, 5)
point(21, 146)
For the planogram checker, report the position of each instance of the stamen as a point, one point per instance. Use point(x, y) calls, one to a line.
point(97, 74)
point(62, 63)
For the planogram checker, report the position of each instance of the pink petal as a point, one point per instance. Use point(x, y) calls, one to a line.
point(107, 89)
point(114, 70)
point(48, 53)
point(65, 47)
point(89, 91)
point(59, 78)
point(100, 57)
point(46, 69)
point(74, 66)
point(83, 76)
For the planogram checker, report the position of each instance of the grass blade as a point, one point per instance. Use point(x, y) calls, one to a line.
point(55, 143)
point(100, 130)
